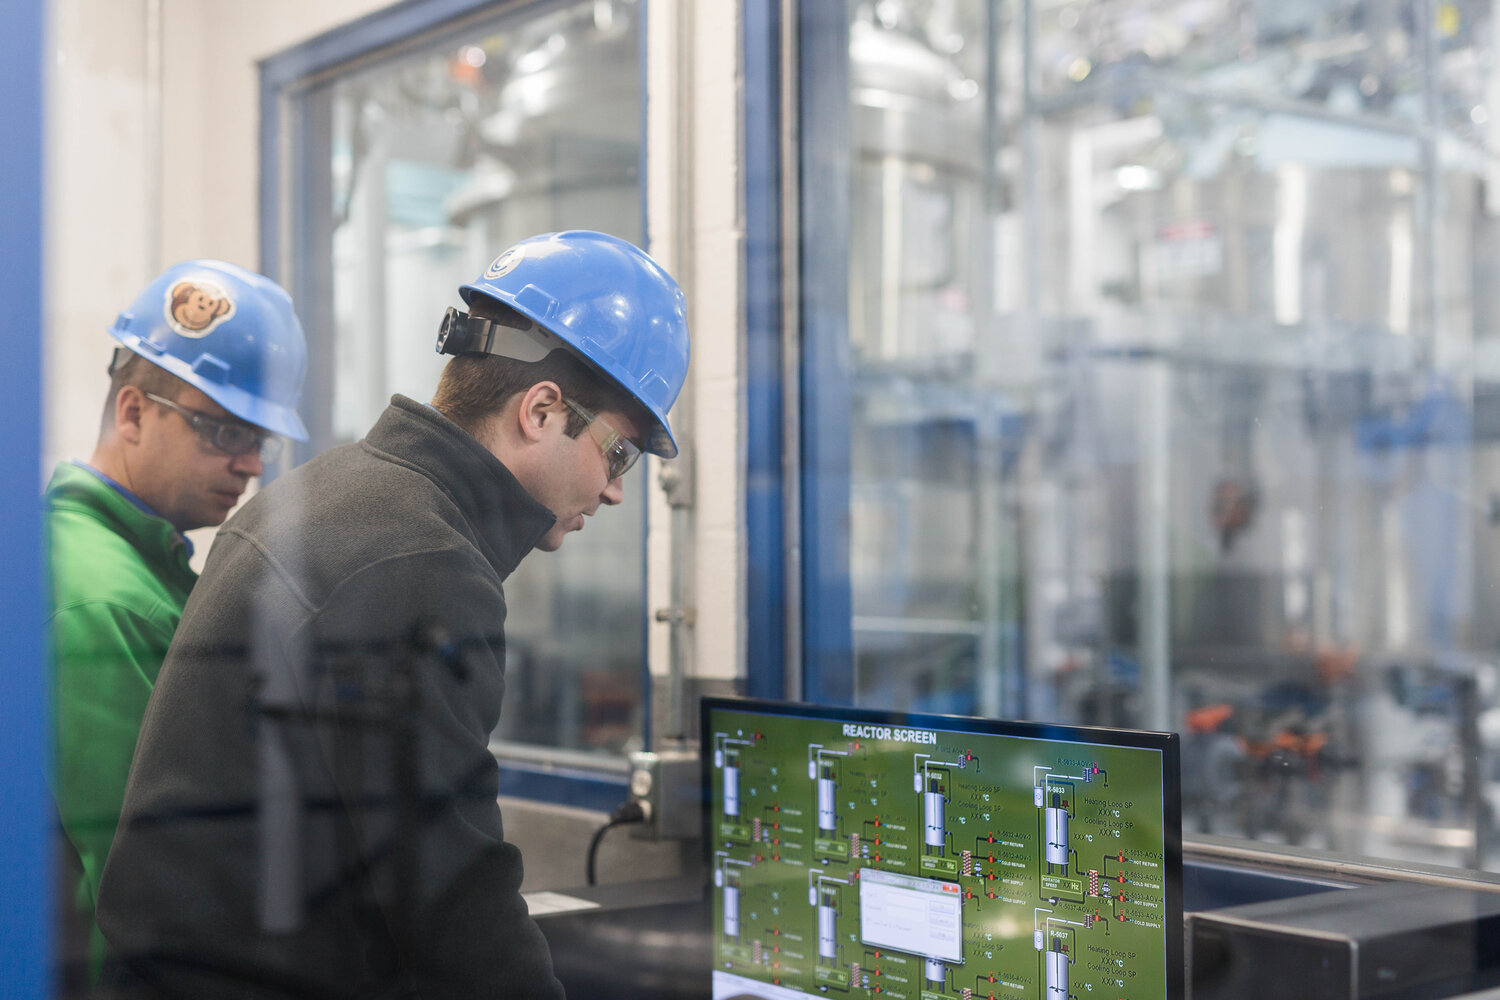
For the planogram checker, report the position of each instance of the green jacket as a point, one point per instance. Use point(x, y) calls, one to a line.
point(119, 579)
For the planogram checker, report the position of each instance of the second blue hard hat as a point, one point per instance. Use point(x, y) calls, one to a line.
point(228, 332)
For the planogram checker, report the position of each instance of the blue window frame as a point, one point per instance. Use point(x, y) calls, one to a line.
point(825, 376)
point(766, 476)
point(25, 857)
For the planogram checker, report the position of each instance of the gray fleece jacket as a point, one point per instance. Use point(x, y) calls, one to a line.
point(311, 807)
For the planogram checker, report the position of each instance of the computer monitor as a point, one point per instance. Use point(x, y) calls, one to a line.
point(875, 854)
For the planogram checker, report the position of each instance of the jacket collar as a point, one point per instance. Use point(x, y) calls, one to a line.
point(134, 499)
point(78, 486)
point(507, 519)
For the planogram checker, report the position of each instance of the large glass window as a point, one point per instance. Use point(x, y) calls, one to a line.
point(410, 172)
point(1171, 368)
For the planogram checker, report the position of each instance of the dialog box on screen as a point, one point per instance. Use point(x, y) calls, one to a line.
point(915, 915)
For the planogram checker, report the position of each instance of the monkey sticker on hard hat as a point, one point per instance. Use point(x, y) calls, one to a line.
point(505, 263)
point(196, 305)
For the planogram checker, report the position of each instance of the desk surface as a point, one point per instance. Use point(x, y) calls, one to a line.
point(644, 941)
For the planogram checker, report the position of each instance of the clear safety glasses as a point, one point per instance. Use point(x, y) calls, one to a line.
point(620, 453)
point(233, 437)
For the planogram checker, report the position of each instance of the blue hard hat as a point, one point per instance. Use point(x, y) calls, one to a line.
point(609, 302)
point(228, 332)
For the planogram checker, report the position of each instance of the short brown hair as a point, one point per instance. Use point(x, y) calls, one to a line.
point(474, 387)
point(129, 368)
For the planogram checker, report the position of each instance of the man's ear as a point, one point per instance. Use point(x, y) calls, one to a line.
point(130, 404)
point(539, 406)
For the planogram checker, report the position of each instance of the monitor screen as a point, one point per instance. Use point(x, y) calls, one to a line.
point(871, 854)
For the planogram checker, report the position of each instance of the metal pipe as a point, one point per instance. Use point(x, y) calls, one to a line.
point(676, 478)
point(1154, 486)
point(791, 345)
point(990, 665)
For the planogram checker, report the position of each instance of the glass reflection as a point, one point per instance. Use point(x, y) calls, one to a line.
point(1172, 407)
point(432, 162)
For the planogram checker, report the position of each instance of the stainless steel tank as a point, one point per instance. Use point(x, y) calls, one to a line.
point(561, 146)
point(917, 169)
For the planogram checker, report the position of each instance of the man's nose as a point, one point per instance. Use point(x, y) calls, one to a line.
point(248, 464)
point(613, 493)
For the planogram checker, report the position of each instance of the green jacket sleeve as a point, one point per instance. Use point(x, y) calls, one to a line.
point(107, 658)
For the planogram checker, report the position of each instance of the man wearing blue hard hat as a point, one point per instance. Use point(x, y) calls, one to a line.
point(203, 387)
point(340, 836)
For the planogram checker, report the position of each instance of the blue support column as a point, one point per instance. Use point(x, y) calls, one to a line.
point(765, 484)
point(25, 858)
point(827, 374)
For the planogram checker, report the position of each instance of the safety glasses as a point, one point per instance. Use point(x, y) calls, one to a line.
point(620, 452)
point(233, 437)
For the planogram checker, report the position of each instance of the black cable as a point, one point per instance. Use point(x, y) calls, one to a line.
point(630, 812)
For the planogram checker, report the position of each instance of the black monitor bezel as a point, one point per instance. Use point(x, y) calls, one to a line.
point(1169, 745)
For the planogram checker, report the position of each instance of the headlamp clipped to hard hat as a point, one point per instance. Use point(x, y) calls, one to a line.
point(515, 336)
